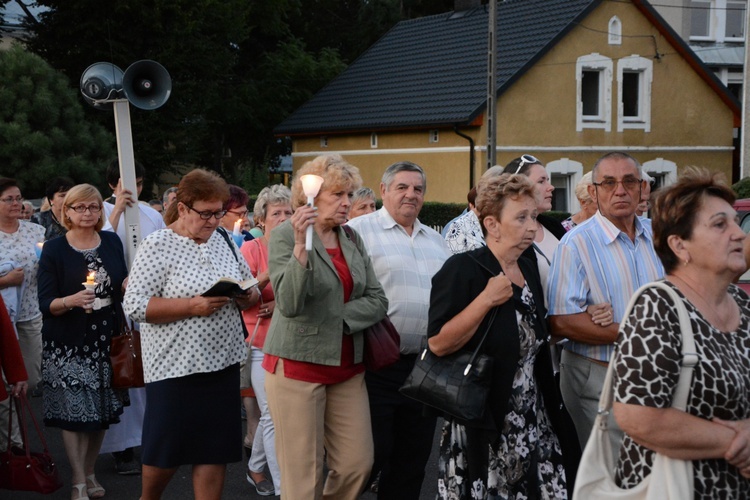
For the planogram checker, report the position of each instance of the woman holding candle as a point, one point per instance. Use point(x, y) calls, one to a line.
point(315, 377)
point(237, 213)
point(192, 345)
point(81, 278)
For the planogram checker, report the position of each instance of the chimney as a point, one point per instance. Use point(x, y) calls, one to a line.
point(462, 5)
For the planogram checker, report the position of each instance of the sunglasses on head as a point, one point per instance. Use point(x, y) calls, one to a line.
point(526, 160)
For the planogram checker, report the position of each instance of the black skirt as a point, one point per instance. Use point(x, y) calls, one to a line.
point(193, 420)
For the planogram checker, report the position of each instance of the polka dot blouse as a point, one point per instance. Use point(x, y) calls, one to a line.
point(172, 266)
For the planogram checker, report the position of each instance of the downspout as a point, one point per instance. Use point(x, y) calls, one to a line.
point(471, 154)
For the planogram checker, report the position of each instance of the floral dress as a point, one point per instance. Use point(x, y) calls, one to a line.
point(525, 461)
point(77, 376)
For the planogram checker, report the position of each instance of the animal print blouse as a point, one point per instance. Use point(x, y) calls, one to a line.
point(648, 366)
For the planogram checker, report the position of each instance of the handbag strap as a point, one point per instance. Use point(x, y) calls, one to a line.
point(688, 353)
point(21, 404)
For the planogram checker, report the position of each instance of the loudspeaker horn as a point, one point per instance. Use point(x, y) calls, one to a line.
point(147, 84)
point(100, 83)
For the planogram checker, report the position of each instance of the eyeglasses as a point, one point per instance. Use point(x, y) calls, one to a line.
point(609, 185)
point(94, 209)
point(10, 200)
point(207, 214)
point(526, 160)
point(242, 214)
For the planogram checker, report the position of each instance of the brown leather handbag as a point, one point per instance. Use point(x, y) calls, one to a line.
point(382, 345)
point(125, 355)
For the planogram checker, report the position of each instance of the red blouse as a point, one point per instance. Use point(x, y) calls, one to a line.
point(324, 374)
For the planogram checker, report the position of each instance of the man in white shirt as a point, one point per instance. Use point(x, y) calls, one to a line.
point(405, 255)
point(121, 438)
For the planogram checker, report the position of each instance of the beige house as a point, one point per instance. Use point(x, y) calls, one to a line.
point(576, 79)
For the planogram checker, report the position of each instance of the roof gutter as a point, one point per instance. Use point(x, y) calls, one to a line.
point(471, 154)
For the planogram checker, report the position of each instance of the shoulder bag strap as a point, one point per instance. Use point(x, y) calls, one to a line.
point(689, 355)
point(224, 234)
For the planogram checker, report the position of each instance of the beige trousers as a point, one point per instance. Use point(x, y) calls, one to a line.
point(316, 423)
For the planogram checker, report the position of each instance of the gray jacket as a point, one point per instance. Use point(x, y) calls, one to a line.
point(310, 314)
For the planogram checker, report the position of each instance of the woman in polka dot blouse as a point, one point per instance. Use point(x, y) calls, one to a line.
point(192, 345)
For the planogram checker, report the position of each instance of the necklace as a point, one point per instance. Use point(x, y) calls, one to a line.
point(725, 319)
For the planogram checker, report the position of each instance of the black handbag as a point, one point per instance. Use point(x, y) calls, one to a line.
point(457, 384)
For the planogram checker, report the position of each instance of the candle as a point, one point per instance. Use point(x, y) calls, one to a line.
point(311, 186)
point(237, 226)
point(39, 249)
point(90, 279)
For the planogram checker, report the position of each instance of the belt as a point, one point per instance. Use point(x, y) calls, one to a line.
point(599, 362)
point(100, 303)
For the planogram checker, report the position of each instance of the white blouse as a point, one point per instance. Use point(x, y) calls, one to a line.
point(172, 266)
point(19, 247)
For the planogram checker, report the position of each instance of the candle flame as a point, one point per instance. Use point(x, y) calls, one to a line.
point(91, 277)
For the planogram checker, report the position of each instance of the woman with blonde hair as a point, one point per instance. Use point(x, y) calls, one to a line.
point(315, 375)
point(588, 205)
point(78, 326)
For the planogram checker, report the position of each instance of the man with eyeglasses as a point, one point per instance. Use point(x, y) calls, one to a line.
point(596, 268)
point(121, 438)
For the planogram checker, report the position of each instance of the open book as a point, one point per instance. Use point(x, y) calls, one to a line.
point(229, 287)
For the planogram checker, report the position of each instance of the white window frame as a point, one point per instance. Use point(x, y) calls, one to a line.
point(717, 22)
point(644, 68)
point(602, 64)
point(615, 31)
point(434, 136)
point(725, 36)
point(374, 140)
point(660, 167)
point(323, 141)
point(573, 170)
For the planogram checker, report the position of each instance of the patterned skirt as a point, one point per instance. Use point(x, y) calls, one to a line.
point(77, 379)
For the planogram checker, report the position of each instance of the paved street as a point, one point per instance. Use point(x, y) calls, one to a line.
point(129, 487)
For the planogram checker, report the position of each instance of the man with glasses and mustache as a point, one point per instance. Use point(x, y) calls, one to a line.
point(123, 437)
point(596, 268)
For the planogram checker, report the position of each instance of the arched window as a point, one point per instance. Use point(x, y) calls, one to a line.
point(615, 31)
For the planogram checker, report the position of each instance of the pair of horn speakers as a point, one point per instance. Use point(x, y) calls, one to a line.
point(145, 84)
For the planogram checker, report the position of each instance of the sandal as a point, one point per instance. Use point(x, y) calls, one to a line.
point(95, 490)
point(79, 490)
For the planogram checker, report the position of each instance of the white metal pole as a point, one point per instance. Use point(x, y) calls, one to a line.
point(127, 176)
point(492, 85)
point(744, 139)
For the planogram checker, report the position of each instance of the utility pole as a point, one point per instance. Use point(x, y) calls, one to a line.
point(492, 85)
point(745, 140)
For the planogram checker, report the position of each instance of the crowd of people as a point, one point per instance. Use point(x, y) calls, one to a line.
point(551, 297)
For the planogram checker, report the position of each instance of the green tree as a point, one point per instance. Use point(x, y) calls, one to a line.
point(43, 131)
point(216, 116)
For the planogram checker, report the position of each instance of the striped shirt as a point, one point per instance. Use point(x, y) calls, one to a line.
point(595, 263)
point(404, 266)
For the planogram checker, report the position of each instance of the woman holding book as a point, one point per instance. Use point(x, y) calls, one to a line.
point(192, 344)
point(315, 376)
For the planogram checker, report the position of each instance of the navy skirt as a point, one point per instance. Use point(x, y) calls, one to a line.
point(193, 420)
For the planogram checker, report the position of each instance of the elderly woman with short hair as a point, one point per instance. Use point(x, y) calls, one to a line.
point(325, 298)
point(514, 451)
point(588, 205)
point(192, 345)
point(698, 240)
point(363, 202)
point(77, 331)
point(273, 207)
